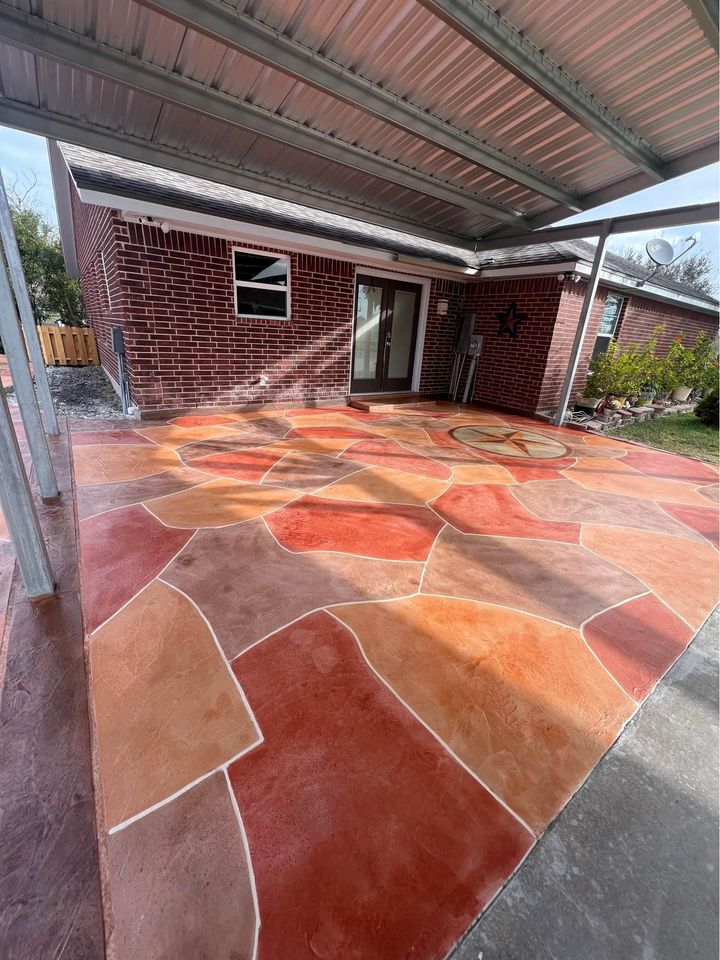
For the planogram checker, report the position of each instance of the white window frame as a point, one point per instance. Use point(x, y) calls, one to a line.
point(107, 284)
point(610, 336)
point(278, 255)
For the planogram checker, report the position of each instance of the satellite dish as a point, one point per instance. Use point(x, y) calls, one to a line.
point(660, 251)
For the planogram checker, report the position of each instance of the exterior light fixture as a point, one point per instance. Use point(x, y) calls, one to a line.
point(442, 307)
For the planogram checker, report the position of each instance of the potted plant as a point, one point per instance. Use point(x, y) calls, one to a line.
point(704, 366)
point(679, 370)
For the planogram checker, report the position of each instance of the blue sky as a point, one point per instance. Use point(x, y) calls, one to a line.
point(21, 152)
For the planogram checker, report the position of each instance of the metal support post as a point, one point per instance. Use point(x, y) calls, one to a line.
point(17, 276)
point(19, 512)
point(583, 323)
point(14, 344)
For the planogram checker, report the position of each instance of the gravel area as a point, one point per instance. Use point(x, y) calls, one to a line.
point(83, 393)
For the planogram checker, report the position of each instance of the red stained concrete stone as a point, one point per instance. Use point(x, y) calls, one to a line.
point(120, 552)
point(108, 436)
point(670, 467)
point(250, 464)
point(638, 642)
point(340, 432)
point(367, 839)
point(387, 531)
point(389, 453)
point(324, 411)
point(704, 521)
point(491, 509)
point(525, 471)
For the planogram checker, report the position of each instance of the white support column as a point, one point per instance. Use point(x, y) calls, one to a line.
point(583, 322)
point(17, 276)
point(19, 512)
point(14, 344)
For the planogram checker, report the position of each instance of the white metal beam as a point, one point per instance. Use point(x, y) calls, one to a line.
point(652, 220)
point(225, 24)
point(57, 126)
point(22, 297)
point(588, 300)
point(14, 344)
point(480, 24)
point(56, 43)
point(706, 14)
point(19, 512)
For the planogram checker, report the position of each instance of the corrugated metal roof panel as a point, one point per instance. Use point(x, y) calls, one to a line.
point(649, 63)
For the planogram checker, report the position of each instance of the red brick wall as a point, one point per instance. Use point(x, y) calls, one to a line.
point(439, 337)
point(174, 296)
point(185, 346)
point(638, 319)
point(641, 316)
point(98, 231)
point(510, 370)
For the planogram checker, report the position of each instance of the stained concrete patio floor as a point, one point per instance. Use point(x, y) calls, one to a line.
point(346, 668)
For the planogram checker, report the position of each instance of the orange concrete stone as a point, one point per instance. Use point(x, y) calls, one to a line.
point(494, 511)
point(616, 476)
point(522, 702)
point(174, 436)
point(167, 709)
point(218, 503)
point(638, 642)
point(384, 531)
point(482, 473)
point(109, 463)
point(682, 573)
point(384, 485)
point(202, 420)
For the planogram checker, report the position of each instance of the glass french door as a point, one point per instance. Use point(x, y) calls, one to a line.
point(387, 313)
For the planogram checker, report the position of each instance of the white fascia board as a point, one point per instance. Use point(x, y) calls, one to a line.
point(60, 176)
point(650, 291)
point(191, 221)
point(512, 273)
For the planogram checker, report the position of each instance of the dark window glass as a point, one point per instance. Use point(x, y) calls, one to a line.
point(254, 268)
point(260, 302)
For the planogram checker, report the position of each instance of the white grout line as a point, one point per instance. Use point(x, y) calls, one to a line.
point(178, 793)
point(428, 728)
point(325, 608)
point(427, 559)
point(686, 525)
point(224, 659)
point(584, 639)
point(144, 587)
point(630, 572)
point(143, 501)
point(248, 858)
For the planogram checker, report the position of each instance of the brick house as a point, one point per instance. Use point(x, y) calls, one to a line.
point(228, 298)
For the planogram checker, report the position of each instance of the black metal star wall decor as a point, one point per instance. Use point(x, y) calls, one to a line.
point(510, 320)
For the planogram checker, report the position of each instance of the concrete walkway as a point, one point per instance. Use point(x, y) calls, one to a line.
point(630, 867)
point(359, 662)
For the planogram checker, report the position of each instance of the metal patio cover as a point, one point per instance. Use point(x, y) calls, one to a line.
point(442, 118)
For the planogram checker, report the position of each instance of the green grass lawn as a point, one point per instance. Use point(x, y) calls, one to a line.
point(681, 433)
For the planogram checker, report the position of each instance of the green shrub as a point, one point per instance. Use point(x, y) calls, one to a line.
point(707, 409)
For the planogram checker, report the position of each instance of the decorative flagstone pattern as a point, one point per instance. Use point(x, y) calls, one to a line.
point(346, 667)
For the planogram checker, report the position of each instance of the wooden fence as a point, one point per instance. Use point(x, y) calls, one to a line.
point(68, 346)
